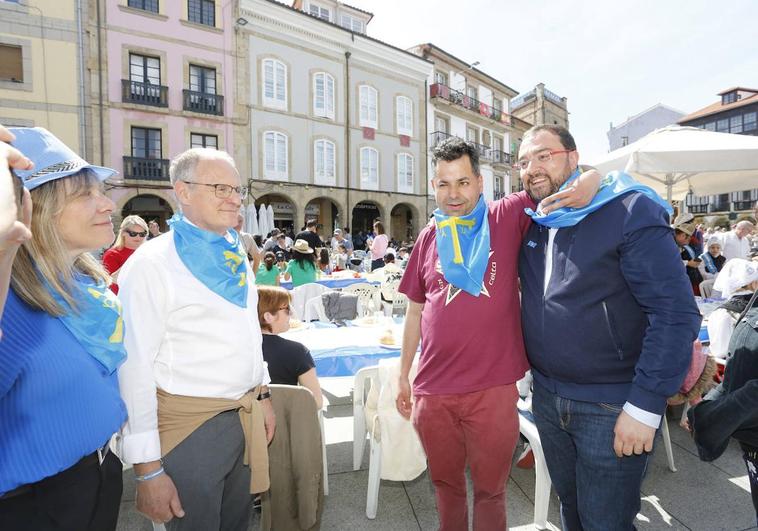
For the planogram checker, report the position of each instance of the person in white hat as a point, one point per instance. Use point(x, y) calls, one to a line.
point(301, 269)
point(736, 282)
point(60, 352)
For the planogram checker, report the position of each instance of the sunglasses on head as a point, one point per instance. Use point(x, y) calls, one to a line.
point(136, 234)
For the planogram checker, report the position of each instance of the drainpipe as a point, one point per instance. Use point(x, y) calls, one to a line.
point(425, 147)
point(100, 85)
point(348, 212)
point(82, 114)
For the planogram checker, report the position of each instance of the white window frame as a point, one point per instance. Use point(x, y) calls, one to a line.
point(369, 110)
point(405, 173)
point(404, 115)
point(327, 108)
point(324, 170)
point(352, 23)
point(321, 10)
point(278, 168)
point(278, 97)
point(369, 171)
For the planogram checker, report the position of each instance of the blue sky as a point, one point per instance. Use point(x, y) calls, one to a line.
point(610, 59)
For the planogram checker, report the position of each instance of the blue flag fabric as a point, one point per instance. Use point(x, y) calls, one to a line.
point(463, 246)
point(96, 323)
point(708, 262)
point(212, 259)
point(614, 184)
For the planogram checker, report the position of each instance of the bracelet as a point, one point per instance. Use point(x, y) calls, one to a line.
point(150, 475)
point(264, 396)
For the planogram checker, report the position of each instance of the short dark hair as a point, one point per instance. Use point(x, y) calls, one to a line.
point(311, 223)
point(567, 141)
point(389, 258)
point(454, 148)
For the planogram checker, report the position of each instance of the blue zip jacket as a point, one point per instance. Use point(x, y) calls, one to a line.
point(618, 318)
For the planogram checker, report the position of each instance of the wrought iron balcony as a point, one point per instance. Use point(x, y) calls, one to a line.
point(498, 195)
point(144, 93)
point(485, 153)
point(500, 157)
point(144, 169)
point(438, 90)
point(721, 206)
point(203, 102)
point(439, 136)
point(698, 209)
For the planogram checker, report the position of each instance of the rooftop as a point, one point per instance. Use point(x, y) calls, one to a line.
point(718, 107)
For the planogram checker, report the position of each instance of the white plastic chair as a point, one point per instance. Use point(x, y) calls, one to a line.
point(542, 476)
point(706, 288)
point(368, 297)
point(314, 309)
point(366, 375)
point(303, 293)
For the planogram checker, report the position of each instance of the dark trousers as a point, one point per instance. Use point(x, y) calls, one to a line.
point(85, 497)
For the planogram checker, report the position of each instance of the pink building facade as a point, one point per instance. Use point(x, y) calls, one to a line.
point(170, 85)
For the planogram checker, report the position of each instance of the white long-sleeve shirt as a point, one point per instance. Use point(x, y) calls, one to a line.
point(734, 247)
point(180, 337)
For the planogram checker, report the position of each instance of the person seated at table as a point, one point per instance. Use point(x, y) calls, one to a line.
point(341, 258)
point(683, 229)
point(302, 268)
point(391, 275)
point(737, 282)
point(280, 249)
point(712, 260)
point(268, 271)
point(289, 362)
point(324, 262)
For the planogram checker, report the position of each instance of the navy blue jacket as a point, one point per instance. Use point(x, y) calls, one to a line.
point(618, 318)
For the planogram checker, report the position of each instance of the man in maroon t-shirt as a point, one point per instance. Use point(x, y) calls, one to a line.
point(472, 347)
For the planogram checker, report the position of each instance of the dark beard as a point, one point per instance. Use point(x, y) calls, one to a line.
point(553, 189)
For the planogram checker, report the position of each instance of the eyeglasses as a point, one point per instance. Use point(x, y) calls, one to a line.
point(224, 191)
point(285, 309)
point(136, 234)
point(543, 157)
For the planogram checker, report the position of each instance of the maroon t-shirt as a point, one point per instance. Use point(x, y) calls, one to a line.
point(471, 343)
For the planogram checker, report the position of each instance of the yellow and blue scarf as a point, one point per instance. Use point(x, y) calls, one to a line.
point(97, 323)
point(463, 246)
point(614, 184)
point(212, 259)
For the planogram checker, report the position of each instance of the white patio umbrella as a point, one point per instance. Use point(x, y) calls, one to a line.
point(675, 160)
point(263, 220)
point(270, 217)
point(251, 220)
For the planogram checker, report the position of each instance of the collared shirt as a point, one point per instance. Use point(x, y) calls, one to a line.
point(180, 337)
point(640, 415)
point(734, 247)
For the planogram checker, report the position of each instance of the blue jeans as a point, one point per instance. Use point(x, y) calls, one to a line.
point(598, 491)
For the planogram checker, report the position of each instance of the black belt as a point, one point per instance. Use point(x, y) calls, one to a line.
point(95, 458)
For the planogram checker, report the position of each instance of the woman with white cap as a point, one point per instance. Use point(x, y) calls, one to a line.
point(712, 259)
point(737, 282)
point(62, 345)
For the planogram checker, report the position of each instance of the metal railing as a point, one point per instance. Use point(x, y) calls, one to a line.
point(144, 93)
point(498, 195)
point(145, 169)
point(743, 205)
point(438, 90)
point(698, 209)
point(485, 152)
point(203, 102)
point(523, 98)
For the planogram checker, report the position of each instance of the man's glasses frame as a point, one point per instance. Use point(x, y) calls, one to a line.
point(543, 157)
point(224, 191)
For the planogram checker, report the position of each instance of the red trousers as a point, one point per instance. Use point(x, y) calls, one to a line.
point(480, 429)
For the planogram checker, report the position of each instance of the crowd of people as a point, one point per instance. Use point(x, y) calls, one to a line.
point(160, 355)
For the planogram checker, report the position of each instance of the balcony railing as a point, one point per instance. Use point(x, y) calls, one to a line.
point(144, 93)
point(498, 195)
point(743, 205)
point(438, 90)
point(485, 153)
point(203, 102)
point(723, 206)
point(698, 209)
point(144, 169)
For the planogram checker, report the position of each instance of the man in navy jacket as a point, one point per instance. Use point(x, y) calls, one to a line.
point(609, 320)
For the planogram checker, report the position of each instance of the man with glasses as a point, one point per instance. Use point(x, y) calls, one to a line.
point(608, 320)
point(193, 340)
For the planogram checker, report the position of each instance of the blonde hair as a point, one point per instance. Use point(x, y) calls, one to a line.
point(128, 220)
point(44, 260)
point(270, 299)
